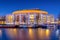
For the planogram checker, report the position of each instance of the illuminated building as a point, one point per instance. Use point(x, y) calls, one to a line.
point(29, 17)
point(50, 19)
point(32, 16)
point(9, 19)
point(2, 19)
point(44, 19)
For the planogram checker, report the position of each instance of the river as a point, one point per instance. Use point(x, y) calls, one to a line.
point(29, 34)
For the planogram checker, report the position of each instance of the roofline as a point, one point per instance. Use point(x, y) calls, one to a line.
point(27, 11)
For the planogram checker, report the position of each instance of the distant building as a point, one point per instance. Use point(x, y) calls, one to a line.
point(2, 19)
point(9, 19)
point(50, 19)
point(44, 19)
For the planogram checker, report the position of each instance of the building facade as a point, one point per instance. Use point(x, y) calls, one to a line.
point(2, 19)
point(9, 19)
point(50, 19)
point(30, 17)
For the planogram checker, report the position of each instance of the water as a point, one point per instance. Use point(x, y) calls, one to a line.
point(29, 34)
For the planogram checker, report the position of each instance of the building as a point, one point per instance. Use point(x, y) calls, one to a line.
point(43, 19)
point(50, 19)
point(9, 19)
point(2, 20)
point(27, 18)
point(32, 16)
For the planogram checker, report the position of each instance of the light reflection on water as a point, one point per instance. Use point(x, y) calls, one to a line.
point(11, 32)
point(0, 33)
point(31, 34)
point(43, 34)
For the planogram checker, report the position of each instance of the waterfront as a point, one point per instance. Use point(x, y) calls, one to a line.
point(29, 24)
point(29, 34)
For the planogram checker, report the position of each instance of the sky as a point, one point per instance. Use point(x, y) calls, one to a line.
point(9, 6)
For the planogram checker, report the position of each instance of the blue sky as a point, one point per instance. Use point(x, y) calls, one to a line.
point(9, 6)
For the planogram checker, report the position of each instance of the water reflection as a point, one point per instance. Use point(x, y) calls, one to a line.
point(0, 32)
point(43, 34)
point(47, 33)
point(11, 33)
point(57, 32)
point(31, 34)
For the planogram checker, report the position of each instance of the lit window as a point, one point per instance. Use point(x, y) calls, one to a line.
point(31, 18)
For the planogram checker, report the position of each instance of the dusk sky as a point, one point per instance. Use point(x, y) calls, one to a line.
point(9, 6)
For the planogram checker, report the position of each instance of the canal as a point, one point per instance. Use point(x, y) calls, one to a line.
point(29, 34)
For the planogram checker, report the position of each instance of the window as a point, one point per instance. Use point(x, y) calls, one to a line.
point(31, 18)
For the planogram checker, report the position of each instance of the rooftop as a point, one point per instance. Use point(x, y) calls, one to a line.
point(30, 11)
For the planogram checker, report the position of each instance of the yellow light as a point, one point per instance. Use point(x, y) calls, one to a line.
point(47, 32)
point(15, 31)
point(12, 32)
point(10, 18)
point(32, 16)
point(31, 33)
point(30, 11)
point(41, 33)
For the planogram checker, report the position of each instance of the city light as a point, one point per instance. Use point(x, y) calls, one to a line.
point(29, 18)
